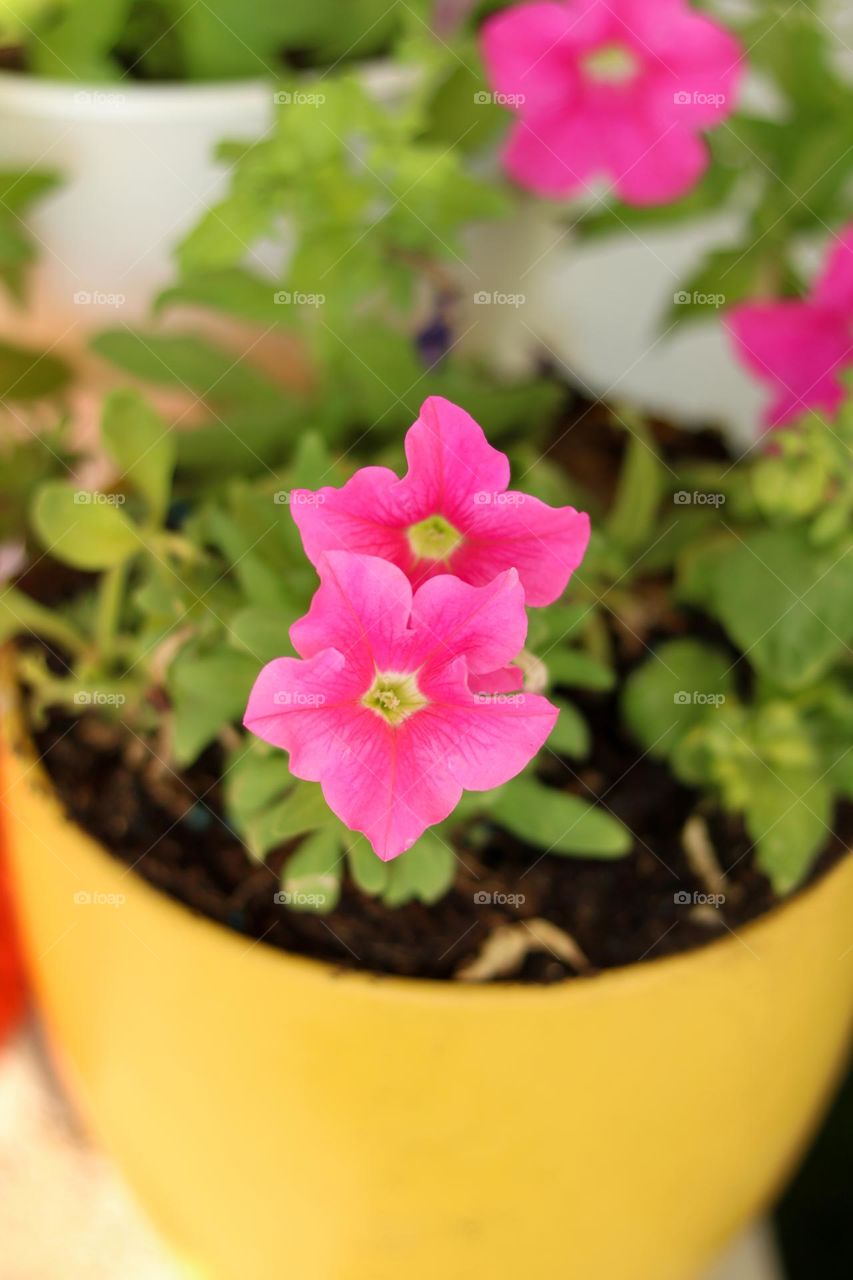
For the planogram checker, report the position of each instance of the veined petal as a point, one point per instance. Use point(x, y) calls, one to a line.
point(545, 544)
point(361, 607)
point(389, 784)
point(506, 680)
point(488, 625)
point(362, 516)
point(482, 740)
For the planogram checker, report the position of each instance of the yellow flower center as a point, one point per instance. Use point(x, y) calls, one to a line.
point(394, 696)
point(611, 64)
point(434, 538)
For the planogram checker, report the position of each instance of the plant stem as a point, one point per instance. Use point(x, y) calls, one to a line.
point(110, 596)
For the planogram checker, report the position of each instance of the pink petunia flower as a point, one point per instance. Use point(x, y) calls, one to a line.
point(451, 513)
point(380, 708)
point(801, 346)
point(610, 88)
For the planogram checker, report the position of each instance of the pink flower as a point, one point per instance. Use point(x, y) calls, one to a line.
point(801, 346)
point(380, 709)
point(615, 88)
point(451, 513)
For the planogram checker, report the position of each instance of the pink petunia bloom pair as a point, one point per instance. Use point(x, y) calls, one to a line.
point(404, 694)
point(610, 88)
point(800, 347)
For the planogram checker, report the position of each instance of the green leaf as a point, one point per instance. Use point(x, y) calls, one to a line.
point(558, 821)
point(263, 632)
point(570, 735)
point(302, 809)
point(253, 783)
point(142, 445)
point(367, 869)
point(234, 291)
point(679, 685)
point(423, 873)
point(789, 816)
point(29, 375)
point(311, 879)
point(75, 40)
point(579, 670)
point(631, 519)
point(208, 691)
point(785, 603)
point(83, 529)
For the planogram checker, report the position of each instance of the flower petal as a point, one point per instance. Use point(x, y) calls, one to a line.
point(652, 163)
point(506, 680)
point(363, 516)
point(834, 289)
point(488, 624)
point(449, 460)
point(481, 740)
point(361, 607)
point(545, 544)
point(798, 348)
point(554, 155)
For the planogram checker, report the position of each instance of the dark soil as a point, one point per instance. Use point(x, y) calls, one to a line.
point(644, 905)
point(648, 904)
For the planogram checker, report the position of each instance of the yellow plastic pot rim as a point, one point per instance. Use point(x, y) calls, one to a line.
point(431, 990)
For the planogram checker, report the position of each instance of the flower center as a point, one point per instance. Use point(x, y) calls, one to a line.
point(434, 538)
point(394, 696)
point(611, 64)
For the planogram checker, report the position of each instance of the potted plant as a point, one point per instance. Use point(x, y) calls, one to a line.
point(133, 101)
point(329, 1021)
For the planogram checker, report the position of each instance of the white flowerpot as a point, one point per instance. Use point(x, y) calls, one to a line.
point(138, 169)
point(599, 308)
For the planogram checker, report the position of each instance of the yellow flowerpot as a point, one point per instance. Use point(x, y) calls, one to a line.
point(279, 1118)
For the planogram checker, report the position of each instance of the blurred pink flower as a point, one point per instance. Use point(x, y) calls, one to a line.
point(801, 346)
point(451, 513)
point(380, 711)
point(615, 88)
